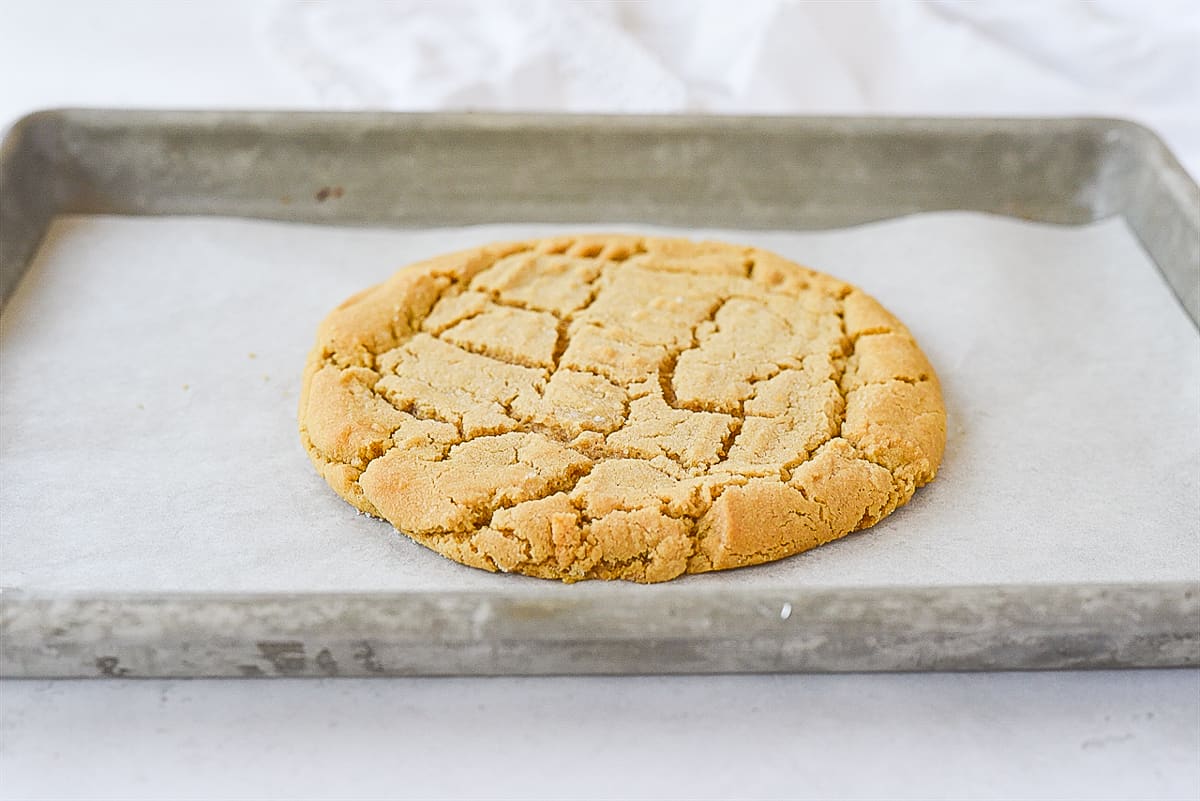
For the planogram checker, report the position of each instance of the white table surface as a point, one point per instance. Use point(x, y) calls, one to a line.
point(1132, 734)
point(1100, 735)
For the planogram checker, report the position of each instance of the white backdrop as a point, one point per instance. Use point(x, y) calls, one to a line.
point(1138, 59)
point(1095, 735)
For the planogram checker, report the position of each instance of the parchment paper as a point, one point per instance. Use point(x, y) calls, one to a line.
point(149, 371)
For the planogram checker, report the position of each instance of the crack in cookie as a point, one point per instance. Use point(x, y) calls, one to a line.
point(619, 407)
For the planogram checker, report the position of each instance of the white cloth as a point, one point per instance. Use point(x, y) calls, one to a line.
point(1112, 58)
point(1121, 58)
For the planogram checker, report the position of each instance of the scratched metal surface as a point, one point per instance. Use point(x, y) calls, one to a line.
point(693, 631)
point(453, 169)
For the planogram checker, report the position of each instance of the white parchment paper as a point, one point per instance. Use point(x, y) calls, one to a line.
point(149, 372)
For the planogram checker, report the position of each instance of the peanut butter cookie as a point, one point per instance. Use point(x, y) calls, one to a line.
point(619, 407)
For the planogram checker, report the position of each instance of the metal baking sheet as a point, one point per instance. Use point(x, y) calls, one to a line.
point(440, 170)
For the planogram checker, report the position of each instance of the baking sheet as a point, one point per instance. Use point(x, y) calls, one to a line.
point(149, 372)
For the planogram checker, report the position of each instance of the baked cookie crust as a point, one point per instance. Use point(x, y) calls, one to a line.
point(619, 407)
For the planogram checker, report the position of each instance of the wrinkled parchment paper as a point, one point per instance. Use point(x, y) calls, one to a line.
point(149, 372)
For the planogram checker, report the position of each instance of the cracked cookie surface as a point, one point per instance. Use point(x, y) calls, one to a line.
point(619, 407)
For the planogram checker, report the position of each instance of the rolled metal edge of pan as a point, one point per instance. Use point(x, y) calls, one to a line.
point(421, 169)
point(33, 188)
point(1010, 627)
point(1161, 202)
